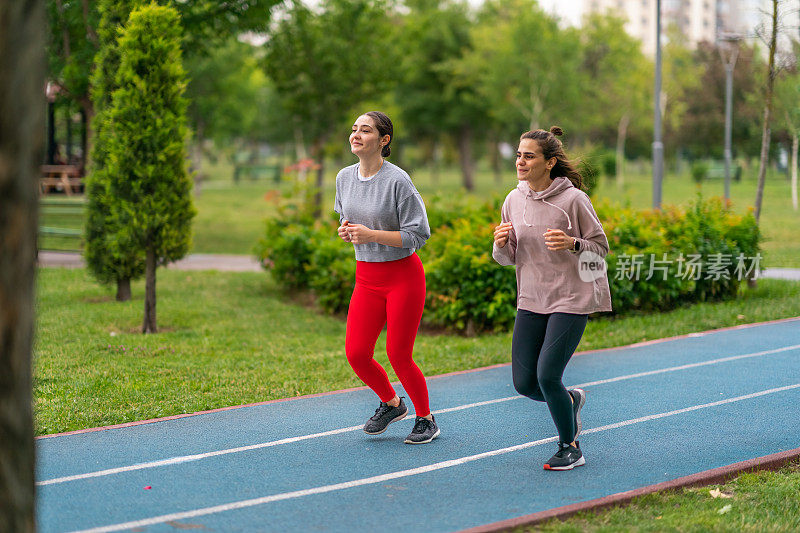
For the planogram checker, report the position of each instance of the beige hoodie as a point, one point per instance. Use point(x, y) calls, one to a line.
point(555, 281)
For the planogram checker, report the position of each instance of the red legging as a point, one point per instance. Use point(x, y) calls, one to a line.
point(391, 293)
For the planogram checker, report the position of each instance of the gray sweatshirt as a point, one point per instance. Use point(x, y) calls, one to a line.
point(387, 201)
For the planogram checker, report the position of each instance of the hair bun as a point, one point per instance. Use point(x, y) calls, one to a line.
point(557, 131)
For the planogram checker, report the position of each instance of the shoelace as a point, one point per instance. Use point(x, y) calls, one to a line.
point(381, 410)
point(421, 425)
point(562, 449)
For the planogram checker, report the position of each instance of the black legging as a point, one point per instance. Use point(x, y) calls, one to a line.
point(540, 350)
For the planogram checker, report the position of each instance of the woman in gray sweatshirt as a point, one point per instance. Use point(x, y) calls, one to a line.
point(552, 235)
point(383, 216)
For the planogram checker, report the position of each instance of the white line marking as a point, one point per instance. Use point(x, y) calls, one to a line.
point(187, 458)
point(289, 440)
point(410, 472)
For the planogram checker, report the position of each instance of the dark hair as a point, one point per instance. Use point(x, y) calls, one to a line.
point(384, 125)
point(551, 147)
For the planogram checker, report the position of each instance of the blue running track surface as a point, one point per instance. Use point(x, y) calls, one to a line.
point(654, 412)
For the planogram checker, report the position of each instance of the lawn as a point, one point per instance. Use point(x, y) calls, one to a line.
point(761, 501)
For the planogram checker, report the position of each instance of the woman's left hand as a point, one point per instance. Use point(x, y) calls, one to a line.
point(359, 234)
point(555, 239)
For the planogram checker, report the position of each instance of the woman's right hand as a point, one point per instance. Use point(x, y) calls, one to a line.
point(501, 234)
point(343, 231)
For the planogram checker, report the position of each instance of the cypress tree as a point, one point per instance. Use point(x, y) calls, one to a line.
point(108, 258)
point(148, 183)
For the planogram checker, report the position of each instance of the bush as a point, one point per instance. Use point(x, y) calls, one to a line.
point(699, 171)
point(467, 291)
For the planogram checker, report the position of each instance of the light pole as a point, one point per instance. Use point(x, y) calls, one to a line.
point(658, 145)
point(729, 52)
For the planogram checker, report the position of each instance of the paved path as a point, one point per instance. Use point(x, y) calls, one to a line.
point(228, 263)
point(245, 263)
point(654, 412)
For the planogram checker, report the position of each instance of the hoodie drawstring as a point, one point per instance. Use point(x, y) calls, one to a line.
point(569, 222)
point(525, 209)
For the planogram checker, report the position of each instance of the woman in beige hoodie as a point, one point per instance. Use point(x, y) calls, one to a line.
point(551, 234)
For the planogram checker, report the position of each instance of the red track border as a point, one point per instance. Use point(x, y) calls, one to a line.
point(708, 477)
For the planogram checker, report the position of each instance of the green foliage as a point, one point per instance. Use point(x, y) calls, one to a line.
point(513, 66)
point(109, 258)
point(323, 63)
point(467, 291)
point(699, 170)
point(149, 187)
point(675, 237)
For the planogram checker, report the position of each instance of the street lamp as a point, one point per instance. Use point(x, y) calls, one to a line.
point(658, 145)
point(728, 51)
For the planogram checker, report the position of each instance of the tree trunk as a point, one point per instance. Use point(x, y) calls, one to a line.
point(465, 157)
point(494, 158)
point(123, 290)
point(149, 325)
point(622, 134)
point(765, 131)
point(90, 33)
point(436, 160)
point(794, 169)
point(64, 29)
point(197, 158)
point(319, 159)
point(300, 151)
point(22, 76)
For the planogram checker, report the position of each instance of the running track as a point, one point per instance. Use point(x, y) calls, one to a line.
point(654, 412)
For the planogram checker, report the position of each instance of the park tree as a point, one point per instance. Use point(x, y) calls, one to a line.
point(21, 126)
point(681, 75)
point(769, 87)
point(323, 62)
point(231, 101)
point(75, 38)
point(149, 186)
point(618, 84)
point(787, 104)
point(526, 81)
point(108, 258)
point(705, 110)
point(71, 45)
point(433, 100)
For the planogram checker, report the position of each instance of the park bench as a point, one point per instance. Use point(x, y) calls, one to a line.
point(54, 212)
point(716, 170)
point(254, 172)
point(65, 178)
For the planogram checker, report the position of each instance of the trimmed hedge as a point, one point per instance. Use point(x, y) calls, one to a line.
point(698, 250)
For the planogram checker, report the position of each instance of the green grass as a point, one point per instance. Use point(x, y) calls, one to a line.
point(230, 338)
point(761, 501)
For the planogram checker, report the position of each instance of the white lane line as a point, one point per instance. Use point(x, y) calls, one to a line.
point(187, 458)
point(410, 472)
point(196, 457)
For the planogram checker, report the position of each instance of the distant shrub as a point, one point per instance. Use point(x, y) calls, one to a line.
point(699, 171)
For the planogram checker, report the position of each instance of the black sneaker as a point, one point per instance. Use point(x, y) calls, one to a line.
point(578, 399)
point(424, 431)
point(384, 415)
point(566, 458)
